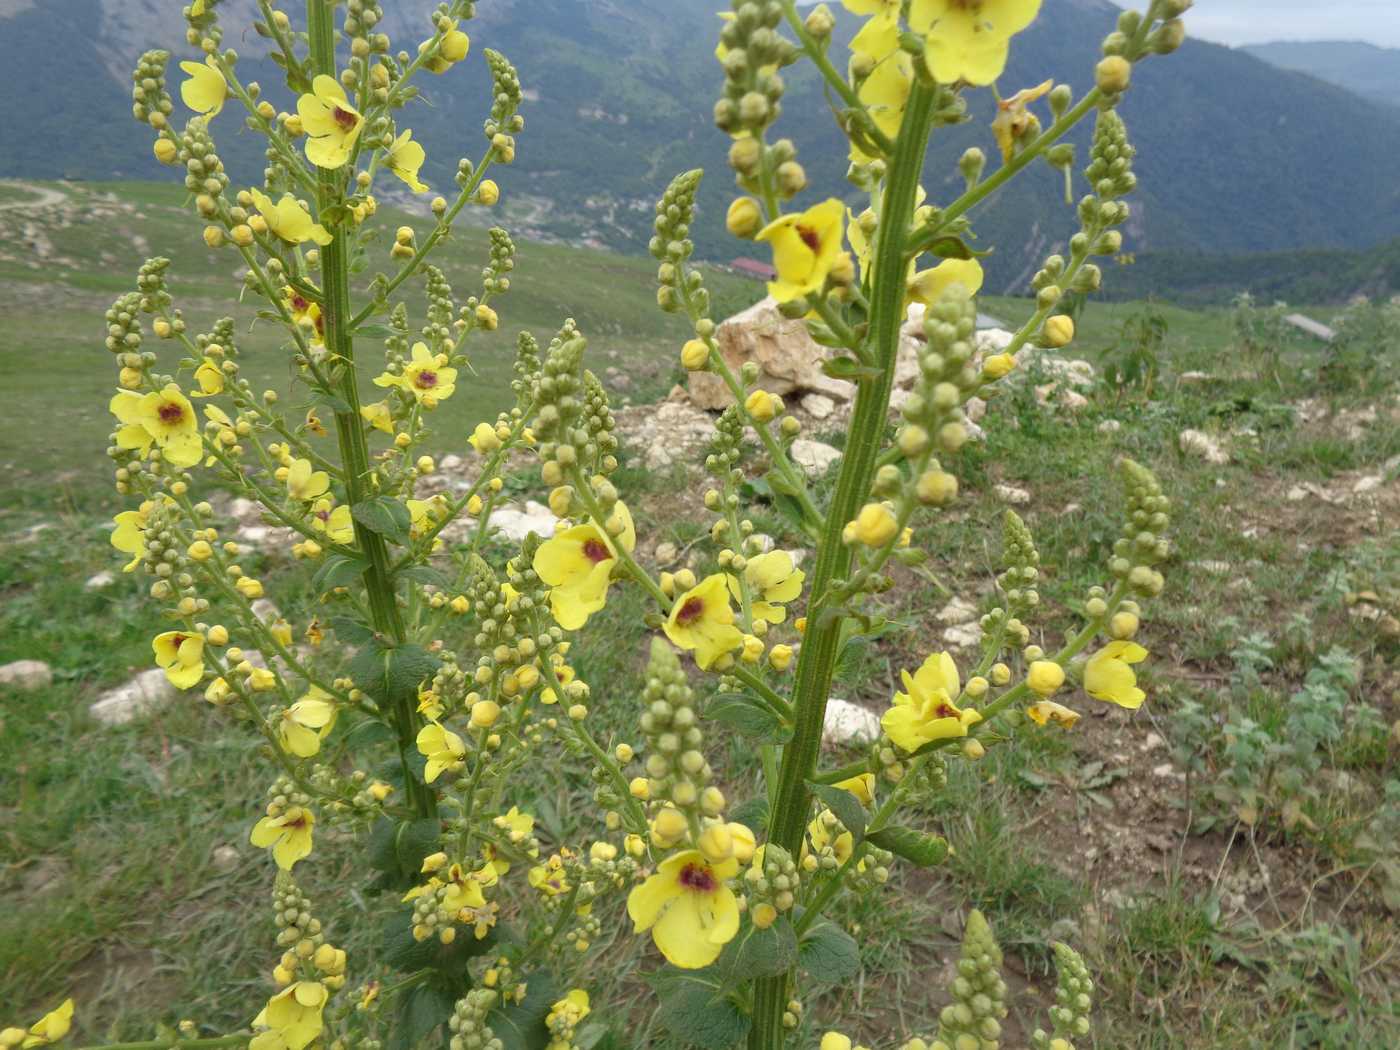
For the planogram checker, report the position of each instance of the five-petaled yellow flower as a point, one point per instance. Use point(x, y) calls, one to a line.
point(288, 833)
point(164, 418)
point(205, 90)
point(772, 580)
point(689, 909)
point(442, 748)
point(181, 654)
point(305, 724)
point(577, 564)
point(426, 377)
point(701, 619)
point(927, 712)
point(334, 521)
point(404, 159)
point(332, 125)
point(210, 379)
point(879, 36)
point(884, 93)
point(379, 415)
point(928, 286)
point(306, 484)
point(806, 246)
point(129, 536)
point(289, 220)
point(969, 39)
point(1109, 676)
point(564, 1017)
point(50, 1028)
point(292, 1016)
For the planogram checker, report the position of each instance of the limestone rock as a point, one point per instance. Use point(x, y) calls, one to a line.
point(1109, 426)
point(98, 580)
point(848, 723)
point(818, 406)
point(1201, 445)
point(1011, 494)
point(26, 675)
point(147, 691)
point(813, 457)
point(518, 522)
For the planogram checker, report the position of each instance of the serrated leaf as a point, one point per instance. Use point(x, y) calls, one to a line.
point(953, 248)
point(421, 1009)
point(520, 1026)
point(753, 814)
point(759, 953)
point(696, 1011)
point(338, 570)
point(846, 806)
point(389, 673)
point(828, 953)
point(375, 331)
point(398, 949)
point(848, 368)
point(385, 516)
point(423, 574)
point(749, 716)
point(350, 630)
point(917, 847)
point(334, 402)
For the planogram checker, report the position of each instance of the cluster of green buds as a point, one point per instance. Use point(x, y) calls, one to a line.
point(203, 29)
point(467, 1025)
point(752, 51)
point(307, 953)
point(504, 123)
point(671, 246)
point(1143, 544)
point(1020, 569)
point(1069, 1017)
point(124, 340)
point(151, 102)
point(772, 883)
point(493, 281)
point(973, 1020)
point(678, 774)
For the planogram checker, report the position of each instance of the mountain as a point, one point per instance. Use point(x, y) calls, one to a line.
point(1365, 69)
point(1234, 154)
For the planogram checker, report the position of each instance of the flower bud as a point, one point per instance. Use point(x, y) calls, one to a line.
point(1045, 677)
point(639, 788)
point(485, 713)
point(780, 657)
point(488, 193)
point(764, 915)
point(1112, 74)
point(791, 178)
point(1124, 625)
point(166, 151)
point(972, 749)
point(745, 155)
point(997, 366)
point(744, 219)
point(213, 236)
point(695, 355)
point(762, 405)
point(819, 22)
point(1059, 330)
point(716, 843)
point(874, 526)
point(936, 488)
point(668, 827)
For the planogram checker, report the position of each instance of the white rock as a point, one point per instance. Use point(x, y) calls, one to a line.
point(666, 553)
point(818, 406)
point(1071, 508)
point(265, 609)
point(245, 508)
point(1201, 445)
point(517, 523)
point(98, 580)
point(1072, 400)
point(147, 691)
point(1214, 568)
point(974, 408)
point(963, 635)
point(254, 535)
point(1367, 484)
point(26, 675)
point(959, 610)
point(1109, 426)
point(451, 461)
point(813, 457)
point(1194, 377)
point(1011, 494)
point(1296, 494)
point(993, 340)
point(848, 723)
point(1152, 741)
point(225, 858)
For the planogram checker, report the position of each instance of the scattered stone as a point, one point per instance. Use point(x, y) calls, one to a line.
point(1367, 484)
point(666, 553)
point(1166, 771)
point(1071, 508)
point(225, 858)
point(993, 340)
point(1201, 445)
point(1073, 401)
point(25, 675)
point(1109, 426)
point(147, 691)
point(963, 635)
point(99, 580)
point(1214, 568)
point(814, 457)
point(1152, 741)
point(1011, 494)
point(265, 609)
point(674, 431)
point(848, 723)
point(243, 509)
point(517, 523)
point(818, 406)
point(1194, 377)
point(450, 462)
point(959, 610)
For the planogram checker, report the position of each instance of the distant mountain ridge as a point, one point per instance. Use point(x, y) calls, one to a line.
point(1234, 154)
point(1370, 71)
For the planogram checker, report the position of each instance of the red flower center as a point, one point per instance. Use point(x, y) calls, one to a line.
point(945, 710)
point(697, 877)
point(170, 413)
point(343, 118)
point(323, 515)
point(690, 611)
point(596, 551)
point(299, 304)
point(809, 237)
point(426, 379)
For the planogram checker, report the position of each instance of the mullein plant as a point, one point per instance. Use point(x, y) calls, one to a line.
point(428, 676)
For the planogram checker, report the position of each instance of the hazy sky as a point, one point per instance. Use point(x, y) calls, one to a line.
point(1258, 21)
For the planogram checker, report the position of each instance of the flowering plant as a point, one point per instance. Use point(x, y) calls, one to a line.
point(428, 676)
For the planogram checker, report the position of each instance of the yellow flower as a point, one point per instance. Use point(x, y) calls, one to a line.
point(443, 749)
point(969, 39)
point(564, 1017)
point(1045, 677)
point(334, 521)
point(332, 125)
point(453, 48)
point(690, 911)
point(289, 835)
point(129, 536)
point(819, 832)
point(305, 724)
point(404, 159)
point(701, 619)
point(181, 654)
point(1013, 120)
point(1109, 676)
point(577, 565)
point(862, 786)
point(210, 378)
point(205, 90)
point(805, 248)
point(928, 286)
point(772, 580)
point(165, 419)
point(927, 712)
point(548, 878)
point(379, 415)
point(885, 92)
point(880, 34)
point(289, 220)
point(306, 315)
point(484, 439)
point(874, 526)
point(50, 1028)
point(305, 484)
point(1045, 711)
point(292, 1016)
point(426, 377)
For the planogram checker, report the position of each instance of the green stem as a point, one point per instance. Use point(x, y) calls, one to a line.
point(820, 643)
point(349, 426)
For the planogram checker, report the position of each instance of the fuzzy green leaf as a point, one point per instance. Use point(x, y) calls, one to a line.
point(917, 847)
point(749, 716)
point(520, 1026)
point(828, 953)
point(759, 953)
point(388, 517)
point(696, 1011)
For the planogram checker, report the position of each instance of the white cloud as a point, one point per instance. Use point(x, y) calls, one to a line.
point(1258, 21)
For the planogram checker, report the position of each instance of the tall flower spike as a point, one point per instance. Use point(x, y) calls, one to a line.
point(979, 993)
point(1069, 1017)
